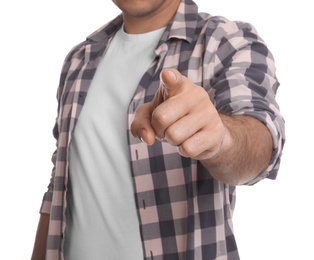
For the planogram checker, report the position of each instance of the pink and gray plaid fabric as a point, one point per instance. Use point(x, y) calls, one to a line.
point(183, 212)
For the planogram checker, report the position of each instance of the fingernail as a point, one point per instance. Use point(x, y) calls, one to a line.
point(173, 75)
point(140, 135)
point(161, 139)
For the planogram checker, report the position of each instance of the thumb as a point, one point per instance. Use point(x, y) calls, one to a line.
point(171, 80)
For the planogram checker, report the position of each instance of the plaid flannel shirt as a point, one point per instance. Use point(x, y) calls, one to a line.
point(183, 212)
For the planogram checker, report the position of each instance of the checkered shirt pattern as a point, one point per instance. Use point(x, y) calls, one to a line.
point(183, 212)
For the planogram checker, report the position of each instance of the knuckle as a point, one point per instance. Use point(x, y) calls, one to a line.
point(160, 116)
point(188, 150)
point(174, 135)
point(201, 93)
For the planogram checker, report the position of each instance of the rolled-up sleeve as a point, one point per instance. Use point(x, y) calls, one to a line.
point(245, 83)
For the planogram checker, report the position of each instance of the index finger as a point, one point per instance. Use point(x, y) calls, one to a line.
point(171, 83)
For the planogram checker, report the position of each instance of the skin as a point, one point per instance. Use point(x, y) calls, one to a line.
point(39, 250)
point(139, 16)
point(234, 149)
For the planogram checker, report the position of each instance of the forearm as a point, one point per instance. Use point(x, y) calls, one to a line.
point(245, 151)
point(39, 250)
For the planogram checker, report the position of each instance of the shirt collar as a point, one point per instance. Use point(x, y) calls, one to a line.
point(182, 26)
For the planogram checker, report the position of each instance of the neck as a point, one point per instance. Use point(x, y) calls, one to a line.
point(153, 21)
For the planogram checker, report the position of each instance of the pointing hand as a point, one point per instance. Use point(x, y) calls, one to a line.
point(181, 114)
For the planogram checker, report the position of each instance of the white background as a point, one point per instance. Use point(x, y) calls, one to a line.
point(273, 219)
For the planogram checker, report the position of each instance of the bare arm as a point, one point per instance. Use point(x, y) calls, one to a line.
point(245, 151)
point(234, 149)
point(39, 250)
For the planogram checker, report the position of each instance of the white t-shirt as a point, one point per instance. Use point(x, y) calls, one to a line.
point(102, 221)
